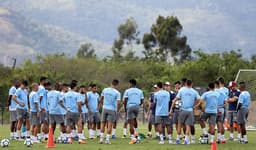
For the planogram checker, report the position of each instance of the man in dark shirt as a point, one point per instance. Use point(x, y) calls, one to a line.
point(151, 112)
point(232, 110)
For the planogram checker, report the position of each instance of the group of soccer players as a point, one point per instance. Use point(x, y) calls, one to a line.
point(40, 107)
point(216, 105)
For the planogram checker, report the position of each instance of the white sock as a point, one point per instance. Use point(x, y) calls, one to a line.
point(222, 137)
point(101, 135)
point(90, 132)
point(193, 137)
point(133, 137)
point(205, 131)
point(93, 132)
point(157, 133)
point(114, 132)
point(136, 130)
point(170, 137)
point(98, 132)
point(107, 137)
point(245, 137)
point(124, 131)
point(187, 138)
point(218, 136)
point(178, 137)
point(231, 135)
point(28, 133)
point(239, 136)
point(212, 137)
point(161, 137)
point(18, 133)
point(24, 133)
point(149, 133)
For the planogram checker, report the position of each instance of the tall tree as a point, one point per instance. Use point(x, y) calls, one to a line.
point(165, 40)
point(128, 36)
point(86, 51)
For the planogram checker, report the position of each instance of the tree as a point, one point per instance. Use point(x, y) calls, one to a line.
point(86, 51)
point(128, 36)
point(165, 40)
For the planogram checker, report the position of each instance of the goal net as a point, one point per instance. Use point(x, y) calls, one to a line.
point(249, 77)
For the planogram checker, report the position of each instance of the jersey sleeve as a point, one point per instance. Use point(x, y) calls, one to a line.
point(88, 95)
point(141, 95)
point(79, 97)
point(118, 98)
point(17, 93)
point(179, 94)
point(12, 91)
point(36, 98)
point(203, 96)
point(241, 99)
point(41, 92)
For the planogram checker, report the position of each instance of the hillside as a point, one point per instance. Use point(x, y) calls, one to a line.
point(209, 25)
point(24, 38)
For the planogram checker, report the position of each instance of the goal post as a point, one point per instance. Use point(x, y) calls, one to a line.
point(249, 77)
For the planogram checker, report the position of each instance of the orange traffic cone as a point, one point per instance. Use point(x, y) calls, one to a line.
point(235, 125)
point(50, 142)
point(214, 145)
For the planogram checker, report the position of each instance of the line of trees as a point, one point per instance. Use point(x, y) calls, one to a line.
point(162, 45)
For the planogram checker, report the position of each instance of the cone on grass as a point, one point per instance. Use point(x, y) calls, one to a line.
point(214, 145)
point(50, 142)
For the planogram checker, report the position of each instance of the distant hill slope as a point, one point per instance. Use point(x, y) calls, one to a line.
point(22, 37)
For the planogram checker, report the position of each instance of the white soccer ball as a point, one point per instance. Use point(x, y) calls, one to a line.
point(28, 142)
point(203, 140)
point(5, 143)
point(178, 104)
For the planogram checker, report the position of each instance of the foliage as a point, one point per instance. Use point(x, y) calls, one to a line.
point(165, 40)
point(128, 36)
point(86, 51)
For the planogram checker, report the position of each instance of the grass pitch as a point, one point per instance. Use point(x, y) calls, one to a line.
point(122, 144)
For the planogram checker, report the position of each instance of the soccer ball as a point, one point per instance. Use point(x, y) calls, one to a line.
point(28, 142)
point(203, 140)
point(5, 143)
point(138, 139)
point(178, 104)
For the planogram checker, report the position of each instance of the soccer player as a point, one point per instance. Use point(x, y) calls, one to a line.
point(83, 117)
point(21, 98)
point(93, 99)
point(151, 112)
point(244, 101)
point(162, 99)
point(34, 112)
point(64, 90)
point(176, 108)
point(167, 87)
point(133, 98)
point(110, 98)
point(188, 96)
point(44, 115)
point(56, 116)
point(11, 106)
point(232, 112)
point(74, 111)
point(221, 110)
point(211, 99)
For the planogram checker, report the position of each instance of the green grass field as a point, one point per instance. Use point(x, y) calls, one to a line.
point(122, 144)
